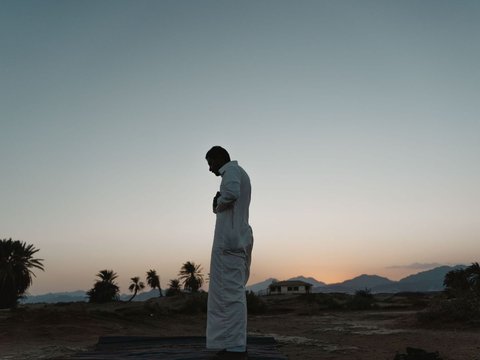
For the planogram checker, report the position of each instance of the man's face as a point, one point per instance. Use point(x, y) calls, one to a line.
point(214, 165)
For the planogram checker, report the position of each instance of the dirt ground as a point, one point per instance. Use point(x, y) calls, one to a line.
point(57, 331)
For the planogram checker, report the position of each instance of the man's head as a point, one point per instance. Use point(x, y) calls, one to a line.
point(216, 158)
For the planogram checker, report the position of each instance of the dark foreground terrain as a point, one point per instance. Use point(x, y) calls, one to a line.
point(306, 327)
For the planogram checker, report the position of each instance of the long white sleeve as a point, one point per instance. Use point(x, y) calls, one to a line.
point(229, 189)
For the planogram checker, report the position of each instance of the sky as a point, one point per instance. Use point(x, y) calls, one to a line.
point(357, 121)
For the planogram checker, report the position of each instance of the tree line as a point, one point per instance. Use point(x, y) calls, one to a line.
point(17, 262)
point(105, 288)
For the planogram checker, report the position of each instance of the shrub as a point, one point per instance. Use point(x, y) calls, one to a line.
point(195, 303)
point(329, 302)
point(255, 305)
point(173, 288)
point(464, 309)
point(362, 300)
point(460, 301)
point(323, 301)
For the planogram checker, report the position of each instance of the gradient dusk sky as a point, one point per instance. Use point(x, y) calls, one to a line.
point(358, 122)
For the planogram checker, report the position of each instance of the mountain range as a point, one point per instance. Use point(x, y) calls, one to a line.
point(430, 280)
point(80, 295)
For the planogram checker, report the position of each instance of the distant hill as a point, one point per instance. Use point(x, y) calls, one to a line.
point(72, 296)
point(361, 282)
point(143, 295)
point(431, 276)
point(261, 286)
point(80, 295)
point(430, 280)
point(310, 280)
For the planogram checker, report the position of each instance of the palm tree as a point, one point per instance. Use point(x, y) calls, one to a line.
point(456, 282)
point(135, 286)
point(153, 280)
point(463, 282)
point(16, 262)
point(105, 289)
point(191, 276)
point(173, 287)
point(473, 274)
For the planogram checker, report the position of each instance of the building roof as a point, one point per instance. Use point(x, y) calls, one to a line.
point(291, 283)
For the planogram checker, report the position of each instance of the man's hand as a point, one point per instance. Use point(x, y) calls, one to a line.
point(215, 202)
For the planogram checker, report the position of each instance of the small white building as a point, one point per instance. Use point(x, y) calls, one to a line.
point(289, 287)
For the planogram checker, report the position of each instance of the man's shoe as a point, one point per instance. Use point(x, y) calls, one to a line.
point(230, 355)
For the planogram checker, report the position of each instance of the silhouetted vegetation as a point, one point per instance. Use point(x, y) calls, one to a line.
point(16, 263)
point(443, 310)
point(362, 300)
point(416, 299)
point(153, 280)
point(105, 289)
point(174, 288)
point(191, 276)
point(255, 304)
point(321, 301)
point(135, 286)
point(195, 303)
point(463, 282)
point(460, 300)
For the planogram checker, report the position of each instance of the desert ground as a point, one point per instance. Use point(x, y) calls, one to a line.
point(303, 327)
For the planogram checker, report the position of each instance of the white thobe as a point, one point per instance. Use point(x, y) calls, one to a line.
point(230, 262)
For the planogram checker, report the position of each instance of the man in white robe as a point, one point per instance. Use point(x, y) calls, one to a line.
point(231, 257)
